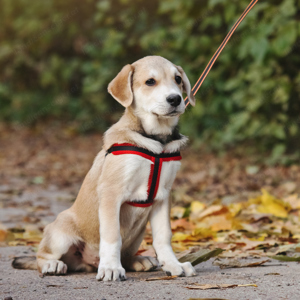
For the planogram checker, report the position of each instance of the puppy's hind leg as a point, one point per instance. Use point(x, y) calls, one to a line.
point(58, 250)
point(51, 249)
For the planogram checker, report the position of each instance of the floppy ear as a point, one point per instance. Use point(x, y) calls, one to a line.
point(120, 86)
point(187, 86)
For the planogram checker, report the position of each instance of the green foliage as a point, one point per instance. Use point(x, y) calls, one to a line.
point(57, 59)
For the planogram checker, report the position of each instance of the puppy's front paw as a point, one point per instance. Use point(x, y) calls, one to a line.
point(179, 269)
point(54, 267)
point(109, 272)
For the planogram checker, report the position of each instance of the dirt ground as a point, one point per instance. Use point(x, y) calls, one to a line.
point(274, 281)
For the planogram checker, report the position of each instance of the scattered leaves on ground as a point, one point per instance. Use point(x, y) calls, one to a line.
point(264, 226)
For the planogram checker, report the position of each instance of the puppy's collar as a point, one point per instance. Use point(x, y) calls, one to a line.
point(155, 170)
point(164, 139)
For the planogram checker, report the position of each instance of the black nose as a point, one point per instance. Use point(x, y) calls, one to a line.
point(174, 99)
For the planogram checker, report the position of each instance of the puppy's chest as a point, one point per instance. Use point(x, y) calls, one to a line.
point(145, 176)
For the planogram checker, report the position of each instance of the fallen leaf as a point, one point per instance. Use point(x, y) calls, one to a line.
point(235, 208)
point(293, 201)
point(248, 284)
point(217, 286)
point(210, 286)
point(235, 263)
point(197, 207)
point(221, 222)
point(285, 258)
point(177, 212)
point(212, 210)
point(161, 278)
point(179, 236)
point(3, 234)
point(203, 233)
point(200, 256)
point(181, 224)
point(271, 205)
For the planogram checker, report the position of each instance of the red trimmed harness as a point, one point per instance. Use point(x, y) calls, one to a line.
point(155, 170)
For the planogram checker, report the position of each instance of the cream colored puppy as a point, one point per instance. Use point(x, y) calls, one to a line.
point(105, 226)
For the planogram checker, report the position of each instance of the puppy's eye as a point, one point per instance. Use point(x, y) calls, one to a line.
point(150, 82)
point(178, 79)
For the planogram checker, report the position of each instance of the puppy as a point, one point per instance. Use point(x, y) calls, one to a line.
point(129, 182)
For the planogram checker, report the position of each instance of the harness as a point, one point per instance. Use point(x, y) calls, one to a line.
point(155, 170)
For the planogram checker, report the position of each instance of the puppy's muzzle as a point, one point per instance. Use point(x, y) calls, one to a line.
point(174, 100)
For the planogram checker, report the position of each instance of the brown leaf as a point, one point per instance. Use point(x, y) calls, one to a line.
point(198, 286)
point(182, 224)
point(211, 286)
point(3, 234)
point(200, 256)
point(235, 263)
point(212, 210)
point(161, 278)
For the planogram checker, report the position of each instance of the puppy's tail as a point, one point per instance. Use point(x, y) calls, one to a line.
point(25, 262)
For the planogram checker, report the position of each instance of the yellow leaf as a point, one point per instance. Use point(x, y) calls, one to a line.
point(17, 243)
point(235, 208)
point(271, 205)
point(203, 233)
point(261, 237)
point(179, 236)
point(179, 247)
point(197, 206)
point(249, 284)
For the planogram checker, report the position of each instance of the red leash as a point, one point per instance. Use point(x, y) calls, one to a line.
point(217, 53)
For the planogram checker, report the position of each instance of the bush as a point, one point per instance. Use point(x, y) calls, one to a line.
point(57, 59)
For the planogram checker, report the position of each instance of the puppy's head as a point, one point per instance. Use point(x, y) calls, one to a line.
point(152, 85)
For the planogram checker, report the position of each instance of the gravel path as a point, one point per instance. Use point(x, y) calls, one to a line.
point(26, 284)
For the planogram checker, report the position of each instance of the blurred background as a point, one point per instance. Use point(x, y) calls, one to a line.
point(57, 58)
